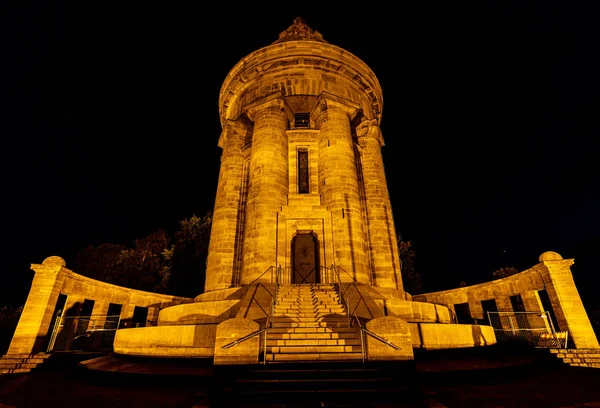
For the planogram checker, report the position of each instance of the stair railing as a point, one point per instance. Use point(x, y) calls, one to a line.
point(244, 338)
point(351, 312)
point(258, 285)
point(269, 316)
point(269, 269)
point(271, 320)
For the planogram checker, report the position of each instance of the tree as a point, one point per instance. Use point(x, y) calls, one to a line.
point(143, 267)
point(159, 262)
point(504, 272)
point(594, 317)
point(410, 278)
point(102, 262)
point(9, 318)
point(186, 258)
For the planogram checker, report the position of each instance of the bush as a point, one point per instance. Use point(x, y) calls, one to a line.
point(9, 317)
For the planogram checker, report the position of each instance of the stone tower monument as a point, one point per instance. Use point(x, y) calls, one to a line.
point(302, 184)
point(303, 262)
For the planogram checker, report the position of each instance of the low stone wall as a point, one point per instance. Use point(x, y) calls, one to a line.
point(167, 341)
point(432, 336)
point(53, 279)
point(552, 276)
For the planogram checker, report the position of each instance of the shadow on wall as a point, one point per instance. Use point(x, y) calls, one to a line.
point(62, 337)
point(478, 338)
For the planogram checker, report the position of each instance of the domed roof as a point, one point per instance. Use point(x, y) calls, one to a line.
point(550, 256)
point(299, 31)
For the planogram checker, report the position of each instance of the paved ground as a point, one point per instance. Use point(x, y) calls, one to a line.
point(490, 382)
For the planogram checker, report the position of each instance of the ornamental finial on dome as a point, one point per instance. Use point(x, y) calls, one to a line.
point(299, 31)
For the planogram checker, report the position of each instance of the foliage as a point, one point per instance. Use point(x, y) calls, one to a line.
point(158, 263)
point(9, 317)
point(410, 278)
point(186, 258)
point(594, 317)
point(100, 262)
point(142, 267)
point(504, 272)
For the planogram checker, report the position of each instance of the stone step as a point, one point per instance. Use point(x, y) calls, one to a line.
point(8, 365)
point(22, 355)
point(273, 358)
point(582, 355)
point(314, 349)
point(581, 360)
point(591, 365)
point(303, 318)
point(313, 342)
point(308, 304)
point(312, 335)
point(312, 313)
point(312, 306)
point(322, 329)
point(14, 370)
point(13, 360)
point(575, 351)
point(311, 324)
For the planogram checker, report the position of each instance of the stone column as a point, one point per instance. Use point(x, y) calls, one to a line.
point(338, 186)
point(101, 307)
point(568, 309)
point(380, 222)
point(223, 234)
point(504, 305)
point(268, 186)
point(34, 323)
point(531, 301)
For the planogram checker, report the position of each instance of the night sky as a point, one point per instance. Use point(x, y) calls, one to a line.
point(490, 119)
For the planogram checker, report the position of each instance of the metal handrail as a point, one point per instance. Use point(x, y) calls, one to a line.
point(270, 268)
point(351, 313)
point(381, 339)
point(269, 321)
point(244, 338)
point(254, 299)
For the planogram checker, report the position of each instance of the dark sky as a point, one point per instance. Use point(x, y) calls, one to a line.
point(490, 118)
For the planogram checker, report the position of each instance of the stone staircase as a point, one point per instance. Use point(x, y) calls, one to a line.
point(316, 384)
point(21, 363)
point(578, 357)
point(310, 324)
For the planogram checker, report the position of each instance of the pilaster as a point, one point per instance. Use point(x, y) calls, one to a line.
point(34, 323)
point(383, 243)
point(566, 303)
point(268, 186)
point(338, 185)
point(220, 273)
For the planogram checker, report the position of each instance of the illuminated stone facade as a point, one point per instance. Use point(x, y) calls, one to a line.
point(302, 242)
point(302, 97)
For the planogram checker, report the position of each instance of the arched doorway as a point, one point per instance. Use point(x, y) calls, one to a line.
point(305, 258)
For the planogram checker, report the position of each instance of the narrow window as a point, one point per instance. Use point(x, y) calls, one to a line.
point(463, 313)
point(302, 120)
point(85, 316)
point(518, 307)
point(87, 307)
point(303, 181)
point(140, 316)
point(492, 318)
point(517, 303)
point(113, 315)
point(547, 305)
